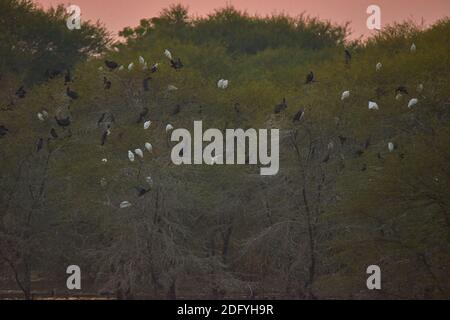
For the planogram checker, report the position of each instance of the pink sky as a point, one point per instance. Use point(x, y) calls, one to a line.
point(116, 14)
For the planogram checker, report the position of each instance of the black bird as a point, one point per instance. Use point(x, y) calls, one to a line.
point(21, 92)
point(309, 78)
point(342, 139)
point(63, 122)
point(145, 83)
point(143, 114)
point(141, 191)
point(71, 94)
point(67, 77)
point(111, 64)
point(104, 136)
point(3, 131)
point(401, 89)
point(106, 83)
point(348, 56)
point(176, 64)
point(40, 144)
point(53, 133)
point(298, 116)
point(280, 107)
point(154, 68)
point(176, 110)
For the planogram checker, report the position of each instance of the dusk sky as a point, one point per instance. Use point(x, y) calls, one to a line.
point(116, 14)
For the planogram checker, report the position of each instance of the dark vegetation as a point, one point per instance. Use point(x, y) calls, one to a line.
point(341, 201)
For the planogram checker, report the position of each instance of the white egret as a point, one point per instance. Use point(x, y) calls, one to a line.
point(145, 67)
point(147, 124)
point(125, 204)
point(391, 146)
point(171, 87)
point(379, 66)
point(131, 156)
point(373, 105)
point(141, 60)
point(104, 160)
point(139, 153)
point(413, 47)
point(345, 95)
point(131, 66)
point(168, 54)
point(121, 68)
point(149, 180)
point(45, 113)
point(412, 102)
point(40, 116)
point(399, 96)
point(169, 127)
point(148, 147)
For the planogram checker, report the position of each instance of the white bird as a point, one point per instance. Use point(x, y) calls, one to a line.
point(149, 180)
point(130, 66)
point(125, 204)
point(147, 124)
point(169, 127)
point(345, 95)
point(121, 68)
point(373, 105)
point(379, 66)
point(131, 156)
point(412, 102)
point(330, 145)
point(398, 96)
point(391, 146)
point(100, 68)
point(139, 153)
point(420, 88)
point(171, 87)
point(104, 160)
point(116, 49)
point(45, 113)
point(222, 84)
point(40, 116)
point(168, 54)
point(145, 67)
point(148, 146)
point(141, 60)
point(413, 47)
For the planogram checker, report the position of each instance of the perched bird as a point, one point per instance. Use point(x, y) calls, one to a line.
point(373, 105)
point(63, 122)
point(147, 124)
point(121, 68)
point(154, 68)
point(176, 64)
point(399, 96)
point(299, 116)
point(71, 94)
point(143, 114)
point(131, 66)
point(168, 54)
point(125, 204)
point(141, 191)
point(67, 77)
point(53, 133)
point(391, 146)
point(104, 160)
point(106, 83)
point(40, 116)
point(169, 128)
point(3, 131)
point(171, 87)
point(280, 107)
point(412, 102)
point(145, 83)
point(348, 56)
point(21, 92)
point(345, 95)
point(131, 156)
point(145, 67)
point(413, 48)
point(141, 60)
point(139, 153)
point(378, 66)
point(222, 84)
point(148, 147)
point(111, 64)
point(310, 78)
point(402, 90)
point(176, 110)
point(40, 144)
